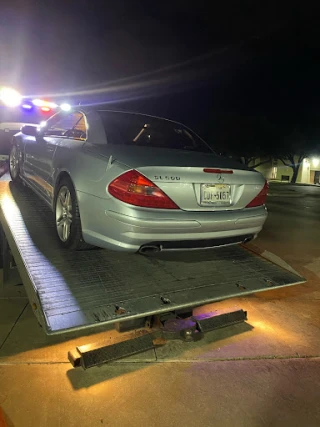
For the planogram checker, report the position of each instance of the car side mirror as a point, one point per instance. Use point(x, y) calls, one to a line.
point(29, 130)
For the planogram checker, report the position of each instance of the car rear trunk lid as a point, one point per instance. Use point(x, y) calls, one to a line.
point(192, 189)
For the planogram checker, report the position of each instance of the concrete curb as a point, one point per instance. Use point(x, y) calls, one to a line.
point(292, 195)
point(288, 184)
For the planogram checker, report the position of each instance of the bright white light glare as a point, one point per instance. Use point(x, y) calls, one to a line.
point(315, 162)
point(10, 97)
point(65, 107)
point(37, 102)
point(43, 124)
point(42, 103)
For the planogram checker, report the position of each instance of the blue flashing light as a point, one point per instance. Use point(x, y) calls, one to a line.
point(27, 106)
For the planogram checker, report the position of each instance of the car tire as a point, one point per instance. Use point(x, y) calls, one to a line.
point(67, 217)
point(14, 164)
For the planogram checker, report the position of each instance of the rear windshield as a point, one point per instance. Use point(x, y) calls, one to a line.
point(141, 130)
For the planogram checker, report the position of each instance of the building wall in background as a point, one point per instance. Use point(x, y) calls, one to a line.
point(312, 174)
point(276, 170)
point(266, 170)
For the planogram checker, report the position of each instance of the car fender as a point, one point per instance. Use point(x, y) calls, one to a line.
point(90, 173)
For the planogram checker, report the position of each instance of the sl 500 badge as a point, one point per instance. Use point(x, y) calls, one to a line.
point(167, 178)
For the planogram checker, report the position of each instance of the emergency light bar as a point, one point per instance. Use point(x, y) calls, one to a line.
point(12, 98)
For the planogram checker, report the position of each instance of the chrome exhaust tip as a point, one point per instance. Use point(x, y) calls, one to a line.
point(248, 239)
point(148, 249)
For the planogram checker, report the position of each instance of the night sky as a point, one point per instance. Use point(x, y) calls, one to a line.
point(167, 58)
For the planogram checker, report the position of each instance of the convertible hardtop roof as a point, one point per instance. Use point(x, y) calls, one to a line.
point(100, 108)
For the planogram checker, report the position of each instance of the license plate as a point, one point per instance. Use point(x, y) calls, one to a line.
point(215, 194)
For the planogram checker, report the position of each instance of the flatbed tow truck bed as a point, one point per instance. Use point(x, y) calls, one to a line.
point(78, 290)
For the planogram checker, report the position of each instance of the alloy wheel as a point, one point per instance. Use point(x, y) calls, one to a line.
point(64, 213)
point(14, 162)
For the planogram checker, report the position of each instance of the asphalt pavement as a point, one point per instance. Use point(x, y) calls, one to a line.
point(292, 230)
point(293, 190)
point(265, 372)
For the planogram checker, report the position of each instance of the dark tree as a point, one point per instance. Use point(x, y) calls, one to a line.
point(292, 152)
point(255, 140)
point(246, 138)
point(293, 145)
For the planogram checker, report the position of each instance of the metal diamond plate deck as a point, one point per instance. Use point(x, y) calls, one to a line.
point(73, 290)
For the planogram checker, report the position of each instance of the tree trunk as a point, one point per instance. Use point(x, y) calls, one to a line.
point(295, 173)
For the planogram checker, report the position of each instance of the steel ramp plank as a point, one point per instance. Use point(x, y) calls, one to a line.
point(91, 355)
point(75, 290)
point(188, 330)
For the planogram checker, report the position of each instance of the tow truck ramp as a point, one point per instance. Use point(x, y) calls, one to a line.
point(79, 290)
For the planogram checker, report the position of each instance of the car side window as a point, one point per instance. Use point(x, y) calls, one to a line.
point(71, 126)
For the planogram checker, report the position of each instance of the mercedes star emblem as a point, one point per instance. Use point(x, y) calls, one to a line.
point(220, 178)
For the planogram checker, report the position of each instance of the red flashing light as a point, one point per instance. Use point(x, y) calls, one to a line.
point(261, 198)
point(135, 189)
point(45, 109)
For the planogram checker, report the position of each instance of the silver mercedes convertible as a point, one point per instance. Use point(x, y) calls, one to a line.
point(136, 183)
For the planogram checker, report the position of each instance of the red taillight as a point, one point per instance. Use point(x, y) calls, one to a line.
point(135, 189)
point(261, 198)
point(45, 109)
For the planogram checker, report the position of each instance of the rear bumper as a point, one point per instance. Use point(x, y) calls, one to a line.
point(176, 230)
point(185, 245)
